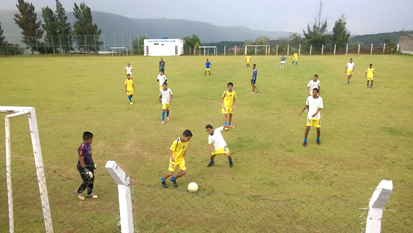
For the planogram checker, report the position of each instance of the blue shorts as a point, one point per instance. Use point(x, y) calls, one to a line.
point(253, 81)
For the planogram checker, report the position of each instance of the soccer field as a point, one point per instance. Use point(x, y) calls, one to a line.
point(276, 184)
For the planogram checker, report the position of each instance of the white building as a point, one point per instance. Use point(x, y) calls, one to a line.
point(163, 47)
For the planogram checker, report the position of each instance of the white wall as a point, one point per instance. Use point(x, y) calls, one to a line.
point(163, 47)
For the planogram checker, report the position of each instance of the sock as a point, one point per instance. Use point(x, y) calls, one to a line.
point(163, 180)
point(371, 85)
point(163, 116)
point(225, 123)
point(348, 81)
point(229, 124)
point(129, 97)
point(296, 63)
point(212, 162)
point(318, 139)
point(167, 114)
point(173, 178)
point(305, 139)
point(230, 159)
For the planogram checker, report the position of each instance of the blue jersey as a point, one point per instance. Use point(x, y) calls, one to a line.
point(208, 64)
point(85, 151)
point(254, 74)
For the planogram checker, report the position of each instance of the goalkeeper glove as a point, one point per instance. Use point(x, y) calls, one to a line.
point(88, 173)
point(95, 165)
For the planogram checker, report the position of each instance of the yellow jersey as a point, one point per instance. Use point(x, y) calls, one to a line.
point(178, 149)
point(248, 58)
point(295, 56)
point(229, 98)
point(370, 72)
point(129, 84)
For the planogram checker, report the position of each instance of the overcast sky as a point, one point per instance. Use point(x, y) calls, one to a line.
point(363, 16)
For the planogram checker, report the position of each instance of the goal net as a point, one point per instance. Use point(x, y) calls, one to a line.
point(208, 50)
point(19, 189)
point(257, 49)
point(406, 44)
point(119, 51)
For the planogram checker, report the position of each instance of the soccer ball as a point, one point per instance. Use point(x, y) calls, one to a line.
point(192, 187)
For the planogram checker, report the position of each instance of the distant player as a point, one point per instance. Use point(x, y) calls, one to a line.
point(162, 66)
point(254, 79)
point(129, 88)
point(370, 73)
point(165, 97)
point(248, 60)
point(228, 105)
point(315, 104)
point(129, 70)
point(295, 58)
point(215, 137)
point(161, 79)
point(315, 83)
point(177, 154)
point(86, 167)
point(208, 67)
point(283, 58)
point(349, 69)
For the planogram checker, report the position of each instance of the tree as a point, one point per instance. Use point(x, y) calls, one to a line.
point(26, 20)
point(87, 32)
point(64, 28)
point(295, 40)
point(317, 35)
point(190, 42)
point(2, 43)
point(50, 27)
point(262, 40)
point(341, 35)
point(137, 45)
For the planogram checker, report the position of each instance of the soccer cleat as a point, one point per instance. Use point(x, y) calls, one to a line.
point(210, 164)
point(304, 144)
point(371, 87)
point(167, 118)
point(131, 103)
point(93, 196)
point(231, 164)
point(174, 183)
point(164, 184)
point(318, 142)
point(226, 128)
point(367, 87)
point(163, 122)
point(80, 196)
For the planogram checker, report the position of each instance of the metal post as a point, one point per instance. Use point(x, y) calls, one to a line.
point(376, 206)
point(14, 47)
point(299, 50)
point(235, 50)
point(52, 44)
point(60, 41)
point(288, 50)
point(384, 48)
point(37, 48)
point(371, 49)
point(358, 49)
point(266, 50)
point(104, 43)
point(311, 47)
point(335, 49)
point(7, 50)
point(8, 175)
point(276, 50)
point(225, 50)
point(397, 48)
point(322, 49)
point(94, 38)
point(255, 50)
point(346, 49)
point(130, 44)
point(85, 43)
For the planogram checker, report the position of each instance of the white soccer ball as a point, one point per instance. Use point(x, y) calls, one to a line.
point(192, 187)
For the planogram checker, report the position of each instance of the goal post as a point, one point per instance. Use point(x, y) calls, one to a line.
point(267, 48)
point(38, 159)
point(206, 50)
point(119, 51)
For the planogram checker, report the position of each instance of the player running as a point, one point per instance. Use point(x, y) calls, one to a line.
point(177, 154)
point(165, 97)
point(349, 69)
point(295, 58)
point(254, 79)
point(208, 67)
point(162, 66)
point(283, 58)
point(227, 101)
point(161, 79)
point(129, 69)
point(215, 137)
point(315, 104)
point(129, 88)
point(248, 60)
point(370, 73)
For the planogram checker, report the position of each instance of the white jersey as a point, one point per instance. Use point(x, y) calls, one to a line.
point(161, 79)
point(313, 85)
point(350, 66)
point(166, 95)
point(128, 69)
point(314, 105)
point(217, 139)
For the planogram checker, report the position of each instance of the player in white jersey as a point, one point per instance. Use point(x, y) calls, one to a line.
point(129, 70)
point(165, 97)
point(315, 104)
point(215, 137)
point(161, 79)
point(349, 69)
point(315, 83)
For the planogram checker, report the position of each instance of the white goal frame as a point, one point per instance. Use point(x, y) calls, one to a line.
point(116, 49)
point(38, 159)
point(205, 49)
point(267, 48)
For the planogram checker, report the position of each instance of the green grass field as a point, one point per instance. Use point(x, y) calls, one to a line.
point(275, 185)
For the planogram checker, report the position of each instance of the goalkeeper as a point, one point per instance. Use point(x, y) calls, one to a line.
point(86, 167)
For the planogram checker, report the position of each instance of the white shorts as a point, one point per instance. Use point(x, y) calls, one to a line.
point(282, 62)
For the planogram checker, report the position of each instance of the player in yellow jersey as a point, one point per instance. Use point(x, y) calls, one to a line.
point(295, 58)
point(177, 154)
point(248, 61)
point(227, 101)
point(370, 73)
point(129, 88)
